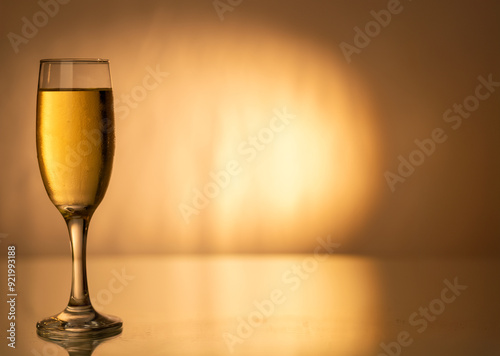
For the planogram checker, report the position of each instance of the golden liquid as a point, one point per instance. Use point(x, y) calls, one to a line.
point(75, 144)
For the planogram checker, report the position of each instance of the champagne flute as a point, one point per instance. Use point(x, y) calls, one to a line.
point(75, 147)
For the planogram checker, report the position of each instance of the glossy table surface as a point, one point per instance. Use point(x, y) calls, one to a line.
point(267, 304)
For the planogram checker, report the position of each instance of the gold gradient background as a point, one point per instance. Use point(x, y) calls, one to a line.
point(324, 174)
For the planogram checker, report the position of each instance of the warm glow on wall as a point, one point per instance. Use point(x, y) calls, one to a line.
point(230, 137)
point(257, 141)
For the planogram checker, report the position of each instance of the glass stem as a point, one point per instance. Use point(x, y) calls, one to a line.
point(77, 227)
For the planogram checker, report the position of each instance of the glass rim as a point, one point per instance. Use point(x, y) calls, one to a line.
point(74, 60)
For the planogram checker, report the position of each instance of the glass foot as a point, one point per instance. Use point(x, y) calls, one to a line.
point(79, 323)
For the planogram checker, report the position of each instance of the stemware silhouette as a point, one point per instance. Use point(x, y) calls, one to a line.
point(75, 146)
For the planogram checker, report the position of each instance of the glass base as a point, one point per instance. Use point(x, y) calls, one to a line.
point(79, 323)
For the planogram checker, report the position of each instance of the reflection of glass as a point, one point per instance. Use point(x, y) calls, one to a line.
point(79, 347)
point(75, 145)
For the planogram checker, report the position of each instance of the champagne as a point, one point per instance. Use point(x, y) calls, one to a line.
point(75, 142)
point(75, 145)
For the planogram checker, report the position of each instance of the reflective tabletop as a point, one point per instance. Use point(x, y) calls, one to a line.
point(266, 304)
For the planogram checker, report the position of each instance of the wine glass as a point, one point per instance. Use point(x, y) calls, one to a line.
point(75, 147)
